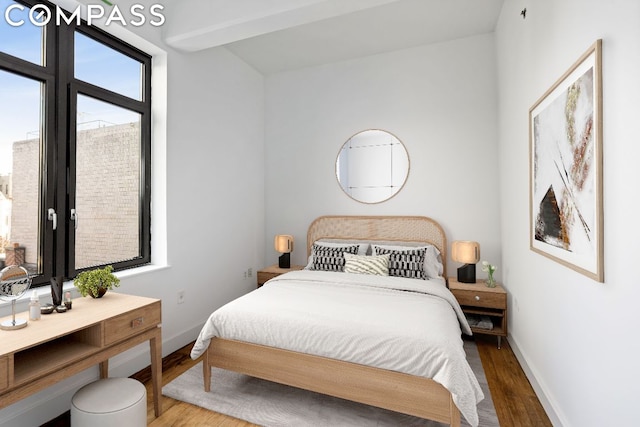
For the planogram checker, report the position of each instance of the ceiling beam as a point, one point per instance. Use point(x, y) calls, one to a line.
point(194, 25)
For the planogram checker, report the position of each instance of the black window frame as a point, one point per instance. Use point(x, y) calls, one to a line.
point(58, 156)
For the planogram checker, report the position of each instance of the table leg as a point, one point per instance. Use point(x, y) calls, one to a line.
point(155, 344)
point(499, 341)
point(104, 369)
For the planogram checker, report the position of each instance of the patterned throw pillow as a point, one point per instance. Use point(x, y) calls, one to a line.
point(405, 263)
point(375, 264)
point(327, 258)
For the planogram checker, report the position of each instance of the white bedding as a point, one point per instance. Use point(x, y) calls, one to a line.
point(405, 325)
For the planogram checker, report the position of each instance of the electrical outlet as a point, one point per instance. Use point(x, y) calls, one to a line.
point(250, 272)
point(180, 297)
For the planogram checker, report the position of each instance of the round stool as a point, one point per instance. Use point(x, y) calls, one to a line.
point(109, 402)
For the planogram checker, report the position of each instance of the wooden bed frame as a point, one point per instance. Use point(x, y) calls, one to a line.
point(408, 394)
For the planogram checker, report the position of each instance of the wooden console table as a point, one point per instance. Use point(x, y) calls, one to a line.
point(62, 344)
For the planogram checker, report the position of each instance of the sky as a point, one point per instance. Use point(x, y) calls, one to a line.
point(20, 97)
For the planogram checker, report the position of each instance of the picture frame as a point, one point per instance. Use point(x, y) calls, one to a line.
point(565, 168)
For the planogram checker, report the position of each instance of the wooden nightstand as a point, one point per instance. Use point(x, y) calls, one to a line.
point(477, 298)
point(273, 271)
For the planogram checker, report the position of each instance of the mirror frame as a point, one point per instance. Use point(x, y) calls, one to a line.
point(9, 277)
point(399, 188)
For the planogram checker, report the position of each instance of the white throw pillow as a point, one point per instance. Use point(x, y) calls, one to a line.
point(362, 264)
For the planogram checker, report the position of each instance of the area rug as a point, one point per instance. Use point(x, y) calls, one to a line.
point(275, 405)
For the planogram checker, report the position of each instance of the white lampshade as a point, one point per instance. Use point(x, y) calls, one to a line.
point(465, 251)
point(284, 243)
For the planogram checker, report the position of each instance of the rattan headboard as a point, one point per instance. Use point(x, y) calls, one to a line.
point(385, 228)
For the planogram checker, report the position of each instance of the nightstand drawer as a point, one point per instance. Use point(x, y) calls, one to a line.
point(131, 323)
point(480, 299)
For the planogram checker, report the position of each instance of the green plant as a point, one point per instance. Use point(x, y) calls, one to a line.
point(96, 282)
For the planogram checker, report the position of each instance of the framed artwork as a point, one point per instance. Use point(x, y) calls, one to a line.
point(565, 161)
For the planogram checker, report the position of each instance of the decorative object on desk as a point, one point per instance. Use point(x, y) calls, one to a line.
point(14, 282)
point(34, 306)
point(489, 269)
point(47, 309)
point(67, 300)
point(56, 290)
point(284, 245)
point(468, 253)
point(96, 282)
point(565, 169)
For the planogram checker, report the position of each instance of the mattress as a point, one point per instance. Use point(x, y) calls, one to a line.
point(405, 325)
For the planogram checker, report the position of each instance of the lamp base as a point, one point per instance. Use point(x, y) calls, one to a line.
point(284, 260)
point(467, 273)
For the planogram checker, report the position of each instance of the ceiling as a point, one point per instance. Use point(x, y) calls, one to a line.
point(279, 35)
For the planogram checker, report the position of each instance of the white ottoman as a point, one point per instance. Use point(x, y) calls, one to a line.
point(110, 402)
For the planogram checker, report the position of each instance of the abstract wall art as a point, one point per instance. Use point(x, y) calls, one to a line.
point(565, 150)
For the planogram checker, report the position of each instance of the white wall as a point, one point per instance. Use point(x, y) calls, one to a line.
point(439, 100)
point(208, 204)
point(467, 137)
point(576, 337)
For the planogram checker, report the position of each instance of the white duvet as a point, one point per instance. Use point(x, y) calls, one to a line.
point(405, 325)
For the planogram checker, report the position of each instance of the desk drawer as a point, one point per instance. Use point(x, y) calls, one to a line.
point(4, 373)
point(480, 299)
point(131, 323)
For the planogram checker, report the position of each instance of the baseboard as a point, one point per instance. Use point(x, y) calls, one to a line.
point(555, 415)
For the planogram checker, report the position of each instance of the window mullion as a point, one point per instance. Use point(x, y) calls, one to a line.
point(65, 120)
point(111, 97)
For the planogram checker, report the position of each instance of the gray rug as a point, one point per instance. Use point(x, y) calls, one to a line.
point(275, 405)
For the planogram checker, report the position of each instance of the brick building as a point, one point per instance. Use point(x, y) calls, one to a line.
point(107, 195)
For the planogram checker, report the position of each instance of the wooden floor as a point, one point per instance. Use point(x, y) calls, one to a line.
point(516, 403)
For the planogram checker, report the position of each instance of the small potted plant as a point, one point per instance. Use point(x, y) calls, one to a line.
point(96, 282)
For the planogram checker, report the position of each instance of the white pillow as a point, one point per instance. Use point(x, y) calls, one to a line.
point(309, 265)
point(432, 261)
point(377, 265)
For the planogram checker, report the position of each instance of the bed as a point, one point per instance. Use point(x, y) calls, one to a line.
point(273, 333)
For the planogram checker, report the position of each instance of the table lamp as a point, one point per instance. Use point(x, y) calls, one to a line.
point(284, 245)
point(468, 253)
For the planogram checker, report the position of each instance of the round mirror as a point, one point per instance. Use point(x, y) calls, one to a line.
point(14, 282)
point(372, 166)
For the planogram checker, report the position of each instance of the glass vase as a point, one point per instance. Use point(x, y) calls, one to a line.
point(491, 282)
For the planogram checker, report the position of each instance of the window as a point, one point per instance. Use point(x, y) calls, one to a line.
point(75, 148)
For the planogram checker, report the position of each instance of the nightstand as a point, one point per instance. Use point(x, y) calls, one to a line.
point(477, 299)
point(274, 271)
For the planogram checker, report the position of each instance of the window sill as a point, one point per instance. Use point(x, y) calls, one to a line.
point(45, 291)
